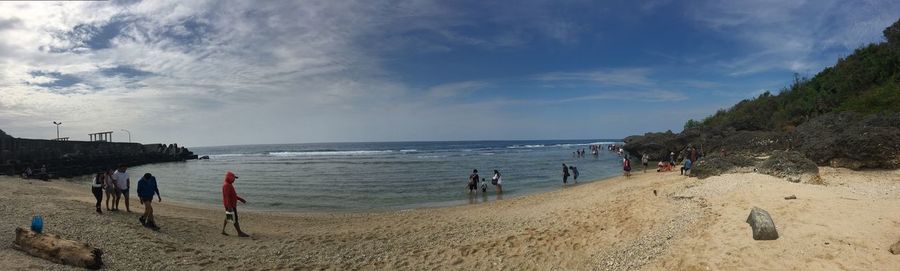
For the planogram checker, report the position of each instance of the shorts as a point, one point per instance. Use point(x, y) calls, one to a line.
point(645, 164)
point(473, 186)
point(143, 199)
point(627, 169)
point(122, 191)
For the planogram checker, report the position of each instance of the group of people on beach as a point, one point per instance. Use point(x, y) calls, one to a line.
point(496, 181)
point(691, 155)
point(116, 185)
point(566, 174)
point(41, 173)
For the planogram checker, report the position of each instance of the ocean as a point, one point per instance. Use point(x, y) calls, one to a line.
point(375, 176)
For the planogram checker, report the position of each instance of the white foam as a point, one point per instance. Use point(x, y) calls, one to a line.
point(526, 146)
point(324, 153)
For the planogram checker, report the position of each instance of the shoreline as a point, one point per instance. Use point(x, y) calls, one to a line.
point(614, 224)
point(84, 180)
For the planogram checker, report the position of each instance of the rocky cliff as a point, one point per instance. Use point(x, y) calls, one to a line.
point(846, 139)
point(73, 158)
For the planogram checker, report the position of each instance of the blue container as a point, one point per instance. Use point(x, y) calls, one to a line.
point(37, 224)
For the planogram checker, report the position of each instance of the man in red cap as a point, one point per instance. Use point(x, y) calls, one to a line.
point(230, 199)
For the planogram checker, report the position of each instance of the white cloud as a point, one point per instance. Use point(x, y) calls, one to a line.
point(793, 35)
point(614, 77)
point(455, 89)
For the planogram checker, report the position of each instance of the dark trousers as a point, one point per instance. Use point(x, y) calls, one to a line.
point(98, 194)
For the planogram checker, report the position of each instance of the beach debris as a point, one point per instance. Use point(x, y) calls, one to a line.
point(762, 225)
point(56, 249)
point(790, 197)
point(895, 249)
point(654, 192)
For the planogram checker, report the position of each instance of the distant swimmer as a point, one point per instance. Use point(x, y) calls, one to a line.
point(565, 174)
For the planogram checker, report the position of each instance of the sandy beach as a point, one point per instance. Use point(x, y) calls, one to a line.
point(617, 224)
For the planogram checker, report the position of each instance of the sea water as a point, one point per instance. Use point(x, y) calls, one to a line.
point(376, 176)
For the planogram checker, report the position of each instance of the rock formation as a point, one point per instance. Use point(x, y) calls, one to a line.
point(762, 225)
point(73, 158)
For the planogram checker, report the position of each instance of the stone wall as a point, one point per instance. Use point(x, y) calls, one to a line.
point(73, 158)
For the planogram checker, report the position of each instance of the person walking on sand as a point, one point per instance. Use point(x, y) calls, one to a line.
point(644, 160)
point(122, 183)
point(565, 174)
point(626, 166)
point(473, 181)
point(146, 188)
point(230, 199)
point(97, 189)
point(497, 181)
point(672, 159)
point(110, 186)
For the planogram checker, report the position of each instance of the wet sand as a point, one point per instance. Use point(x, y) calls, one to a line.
point(615, 224)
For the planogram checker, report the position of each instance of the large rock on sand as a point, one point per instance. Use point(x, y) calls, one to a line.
point(762, 225)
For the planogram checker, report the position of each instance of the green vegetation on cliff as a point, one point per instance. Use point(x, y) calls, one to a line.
point(867, 81)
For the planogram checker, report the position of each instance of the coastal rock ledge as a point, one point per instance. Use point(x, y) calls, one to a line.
point(74, 158)
point(841, 139)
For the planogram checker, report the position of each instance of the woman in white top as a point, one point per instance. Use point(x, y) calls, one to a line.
point(497, 181)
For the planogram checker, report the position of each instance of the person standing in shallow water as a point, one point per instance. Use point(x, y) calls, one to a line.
point(574, 171)
point(473, 181)
point(230, 199)
point(497, 181)
point(565, 174)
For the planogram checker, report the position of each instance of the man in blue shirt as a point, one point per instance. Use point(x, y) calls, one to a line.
point(146, 189)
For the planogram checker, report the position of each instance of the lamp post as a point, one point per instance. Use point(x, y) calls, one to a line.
point(129, 134)
point(57, 129)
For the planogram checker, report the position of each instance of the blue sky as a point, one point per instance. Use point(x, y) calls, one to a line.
point(235, 72)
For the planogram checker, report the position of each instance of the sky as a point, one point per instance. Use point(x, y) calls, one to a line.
point(206, 73)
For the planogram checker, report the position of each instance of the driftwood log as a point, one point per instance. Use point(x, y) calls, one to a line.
point(762, 225)
point(58, 250)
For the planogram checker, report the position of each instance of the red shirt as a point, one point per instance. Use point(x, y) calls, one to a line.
point(229, 195)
